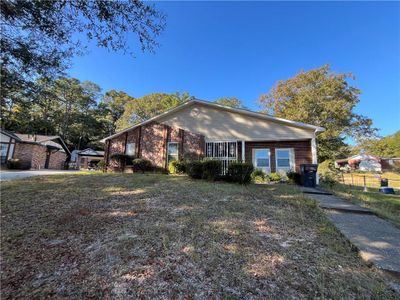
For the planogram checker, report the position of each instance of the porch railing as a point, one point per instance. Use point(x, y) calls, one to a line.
point(225, 151)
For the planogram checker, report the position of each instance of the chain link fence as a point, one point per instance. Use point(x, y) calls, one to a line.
point(359, 180)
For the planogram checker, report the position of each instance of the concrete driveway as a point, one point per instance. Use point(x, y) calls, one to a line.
point(12, 175)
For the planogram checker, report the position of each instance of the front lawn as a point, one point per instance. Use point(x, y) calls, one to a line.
point(158, 236)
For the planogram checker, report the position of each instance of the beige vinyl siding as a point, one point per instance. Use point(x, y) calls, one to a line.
point(220, 124)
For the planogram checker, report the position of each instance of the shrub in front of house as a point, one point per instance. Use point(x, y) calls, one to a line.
point(101, 165)
point(275, 176)
point(17, 164)
point(140, 164)
point(177, 167)
point(121, 159)
point(258, 176)
point(327, 167)
point(294, 177)
point(195, 169)
point(328, 179)
point(239, 172)
point(212, 169)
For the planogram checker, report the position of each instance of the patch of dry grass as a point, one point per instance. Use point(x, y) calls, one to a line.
point(386, 206)
point(157, 236)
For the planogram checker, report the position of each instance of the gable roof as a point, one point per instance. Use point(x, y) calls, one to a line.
point(223, 107)
point(45, 140)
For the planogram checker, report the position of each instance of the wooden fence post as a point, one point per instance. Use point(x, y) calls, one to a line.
point(365, 185)
point(352, 180)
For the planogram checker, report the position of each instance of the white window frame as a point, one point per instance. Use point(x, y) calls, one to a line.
point(267, 170)
point(134, 149)
point(292, 161)
point(177, 151)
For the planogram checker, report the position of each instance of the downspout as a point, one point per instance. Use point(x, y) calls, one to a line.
point(314, 152)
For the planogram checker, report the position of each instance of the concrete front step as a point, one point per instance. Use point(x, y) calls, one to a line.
point(329, 201)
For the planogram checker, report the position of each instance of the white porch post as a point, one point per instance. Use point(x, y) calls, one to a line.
point(243, 150)
point(314, 154)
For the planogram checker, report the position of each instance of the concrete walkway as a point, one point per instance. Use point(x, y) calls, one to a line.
point(12, 175)
point(378, 241)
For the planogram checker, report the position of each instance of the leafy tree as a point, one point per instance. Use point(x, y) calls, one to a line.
point(65, 107)
point(230, 101)
point(322, 98)
point(38, 37)
point(113, 105)
point(149, 106)
point(388, 146)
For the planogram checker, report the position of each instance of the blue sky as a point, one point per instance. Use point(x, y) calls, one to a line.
point(216, 49)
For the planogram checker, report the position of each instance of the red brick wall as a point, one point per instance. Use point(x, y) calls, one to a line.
point(302, 151)
point(36, 154)
point(153, 142)
point(23, 151)
point(193, 145)
point(57, 160)
point(117, 145)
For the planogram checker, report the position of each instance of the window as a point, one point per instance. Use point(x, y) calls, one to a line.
point(4, 148)
point(225, 151)
point(261, 159)
point(173, 152)
point(284, 159)
point(130, 149)
point(221, 149)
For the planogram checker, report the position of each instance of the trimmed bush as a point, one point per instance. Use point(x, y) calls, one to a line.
point(140, 164)
point(328, 179)
point(258, 175)
point(177, 167)
point(211, 169)
point(294, 177)
point(17, 164)
point(275, 176)
point(121, 159)
point(101, 165)
point(195, 169)
point(240, 172)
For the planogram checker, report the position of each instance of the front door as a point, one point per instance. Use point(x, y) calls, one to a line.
point(261, 160)
point(46, 164)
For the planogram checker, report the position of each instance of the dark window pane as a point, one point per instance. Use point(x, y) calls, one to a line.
point(262, 162)
point(283, 162)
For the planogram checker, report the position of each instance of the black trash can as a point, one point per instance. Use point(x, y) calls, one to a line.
point(308, 175)
point(384, 182)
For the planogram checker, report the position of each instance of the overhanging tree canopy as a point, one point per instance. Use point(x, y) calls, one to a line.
point(322, 98)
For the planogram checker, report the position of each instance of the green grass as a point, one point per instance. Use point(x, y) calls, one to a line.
point(97, 235)
point(386, 206)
